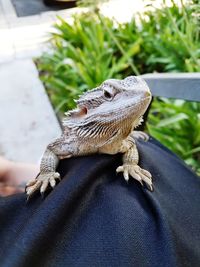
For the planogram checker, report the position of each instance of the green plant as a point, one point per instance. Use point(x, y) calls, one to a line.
point(84, 56)
point(94, 48)
point(176, 123)
point(174, 35)
point(170, 38)
point(92, 4)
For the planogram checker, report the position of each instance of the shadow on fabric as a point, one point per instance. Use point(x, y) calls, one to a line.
point(94, 218)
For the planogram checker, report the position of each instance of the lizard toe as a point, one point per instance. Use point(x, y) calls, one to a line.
point(44, 187)
point(42, 182)
point(137, 173)
point(120, 169)
point(57, 175)
point(30, 190)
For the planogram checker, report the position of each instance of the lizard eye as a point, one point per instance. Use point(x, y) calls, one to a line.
point(107, 95)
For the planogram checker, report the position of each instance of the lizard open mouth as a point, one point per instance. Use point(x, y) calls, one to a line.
point(78, 112)
point(83, 110)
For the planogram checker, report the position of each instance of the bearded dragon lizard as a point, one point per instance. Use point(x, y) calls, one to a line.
point(103, 122)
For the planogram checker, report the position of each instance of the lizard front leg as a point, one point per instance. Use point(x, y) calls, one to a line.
point(130, 164)
point(48, 165)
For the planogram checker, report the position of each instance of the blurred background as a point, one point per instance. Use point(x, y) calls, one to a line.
point(51, 51)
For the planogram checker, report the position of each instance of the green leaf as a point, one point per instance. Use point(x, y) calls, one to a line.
point(172, 120)
point(193, 151)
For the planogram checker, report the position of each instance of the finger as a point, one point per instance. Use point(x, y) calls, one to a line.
point(8, 190)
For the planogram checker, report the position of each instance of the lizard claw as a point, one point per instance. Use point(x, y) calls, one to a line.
point(41, 183)
point(137, 173)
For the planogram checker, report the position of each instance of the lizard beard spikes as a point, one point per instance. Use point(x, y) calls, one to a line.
point(103, 122)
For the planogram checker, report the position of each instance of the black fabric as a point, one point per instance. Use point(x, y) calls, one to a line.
point(94, 218)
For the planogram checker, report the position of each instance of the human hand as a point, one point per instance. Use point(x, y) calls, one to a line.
point(14, 176)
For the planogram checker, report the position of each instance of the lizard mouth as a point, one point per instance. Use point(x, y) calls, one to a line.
point(82, 110)
point(78, 112)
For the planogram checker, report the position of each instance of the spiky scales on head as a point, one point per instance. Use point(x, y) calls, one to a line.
point(114, 105)
point(103, 122)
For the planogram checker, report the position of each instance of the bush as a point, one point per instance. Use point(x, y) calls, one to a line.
point(94, 48)
point(84, 55)
point(176, 124)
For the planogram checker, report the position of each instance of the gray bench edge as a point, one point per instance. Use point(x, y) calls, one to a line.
point(184, 86)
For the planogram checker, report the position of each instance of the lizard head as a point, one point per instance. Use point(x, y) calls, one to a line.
point(119, 102)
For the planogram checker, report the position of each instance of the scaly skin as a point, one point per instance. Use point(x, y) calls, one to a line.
point(103, 122)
